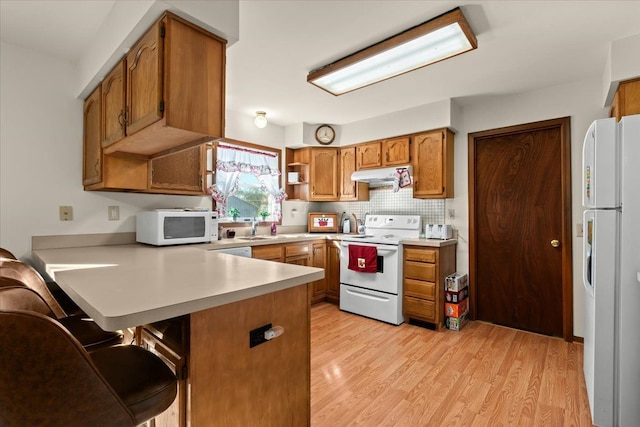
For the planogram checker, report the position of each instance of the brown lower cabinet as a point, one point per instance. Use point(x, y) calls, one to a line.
point(323, 254)
point(425, 269)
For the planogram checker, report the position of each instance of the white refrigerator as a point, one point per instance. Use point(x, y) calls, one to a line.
point(611, 274)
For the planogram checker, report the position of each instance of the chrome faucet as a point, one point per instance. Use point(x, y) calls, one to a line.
point(254, 226)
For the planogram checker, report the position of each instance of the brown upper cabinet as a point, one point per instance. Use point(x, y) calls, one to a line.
point(145, 124)
point(350, 190)
point(383, 153)
point(396, 151)
point(323, 175)
point(167, 94)
point(182, 171)
point(626, 100)
point(433, 164)
point(369, 155)
point(92, 138)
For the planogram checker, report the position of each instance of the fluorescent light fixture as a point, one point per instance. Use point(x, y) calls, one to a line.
point(261, 119)
point(440, 38)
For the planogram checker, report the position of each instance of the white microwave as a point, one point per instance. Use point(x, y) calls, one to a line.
point(162, 227)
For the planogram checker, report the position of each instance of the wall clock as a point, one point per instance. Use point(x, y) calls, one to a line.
point(325, 134)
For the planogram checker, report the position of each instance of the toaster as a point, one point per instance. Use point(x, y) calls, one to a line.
point(438, 231)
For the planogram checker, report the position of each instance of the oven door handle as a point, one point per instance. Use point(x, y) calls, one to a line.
point(385, 249)
point(365, 295)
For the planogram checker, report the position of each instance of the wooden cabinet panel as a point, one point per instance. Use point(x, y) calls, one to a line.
point(627, 99)
point(368, 155)
point(180, 172)
point(297, 250)
point(396, 151)
point(318, 259)
point(324, 175)
point(420, 308)
point(333, 271)
point(92, 139)
point(421, 255)
point(350, 190)
point(425, 270)
point(113, 105)
point(298, 161)
point(419, 289)
point(420, 271)
point(269, 252)
point(267, 385)
point(433, 164)
point(144, 81)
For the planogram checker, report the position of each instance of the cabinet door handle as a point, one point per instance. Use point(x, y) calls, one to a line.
point(126, 113)
point(121, 119)
point(387, 156)
point(96, 165)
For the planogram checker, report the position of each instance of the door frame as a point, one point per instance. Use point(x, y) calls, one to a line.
point(564, 124)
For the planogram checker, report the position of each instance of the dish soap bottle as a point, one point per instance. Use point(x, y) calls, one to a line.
point(273, 228)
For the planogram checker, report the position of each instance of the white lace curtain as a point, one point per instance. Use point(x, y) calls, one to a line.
point(234, 160)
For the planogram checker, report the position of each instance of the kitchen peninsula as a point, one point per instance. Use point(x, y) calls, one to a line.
point(226, 297)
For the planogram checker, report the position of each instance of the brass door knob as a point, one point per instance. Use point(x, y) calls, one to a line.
point(555, 243)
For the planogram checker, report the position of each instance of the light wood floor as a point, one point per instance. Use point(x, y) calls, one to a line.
point(369, 373)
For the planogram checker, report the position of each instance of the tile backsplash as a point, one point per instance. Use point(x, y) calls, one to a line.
point(385, 201)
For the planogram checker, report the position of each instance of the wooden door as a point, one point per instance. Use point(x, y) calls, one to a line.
point(92, 139)
point(113, 105)
point(182, 171)
point(368, 155)
point(520, 203)
point(144, 81)
point(396, 151)
point(324, 174)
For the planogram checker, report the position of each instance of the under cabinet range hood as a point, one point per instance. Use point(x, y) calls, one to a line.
point(381, 177)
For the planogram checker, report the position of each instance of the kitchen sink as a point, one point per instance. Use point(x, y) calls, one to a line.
point(253, 238)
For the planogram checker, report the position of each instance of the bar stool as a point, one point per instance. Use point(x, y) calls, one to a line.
point(48, 378)
point(60, 303)
point(6, 254)
point(15, 296)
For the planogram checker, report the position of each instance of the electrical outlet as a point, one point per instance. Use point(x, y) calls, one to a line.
point(113, 213)
point(579, 232)
point(66, 213)
point(452, 213)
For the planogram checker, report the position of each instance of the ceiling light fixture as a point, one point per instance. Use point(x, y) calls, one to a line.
point(442, 37)
point(261, 119)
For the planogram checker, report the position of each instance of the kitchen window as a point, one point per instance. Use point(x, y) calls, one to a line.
point(247, 182)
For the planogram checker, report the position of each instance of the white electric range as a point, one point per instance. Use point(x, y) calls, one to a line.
point(377, 294)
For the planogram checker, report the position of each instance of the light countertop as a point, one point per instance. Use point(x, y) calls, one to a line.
point(121, 286)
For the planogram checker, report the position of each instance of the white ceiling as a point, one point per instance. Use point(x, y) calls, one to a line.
point(522, 46)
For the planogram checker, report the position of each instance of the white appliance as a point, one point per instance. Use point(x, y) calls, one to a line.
point(611, 276)
point(438, 231)
point(380, 176)
point(242, 251)
point(377, 295)
point(180, 226)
